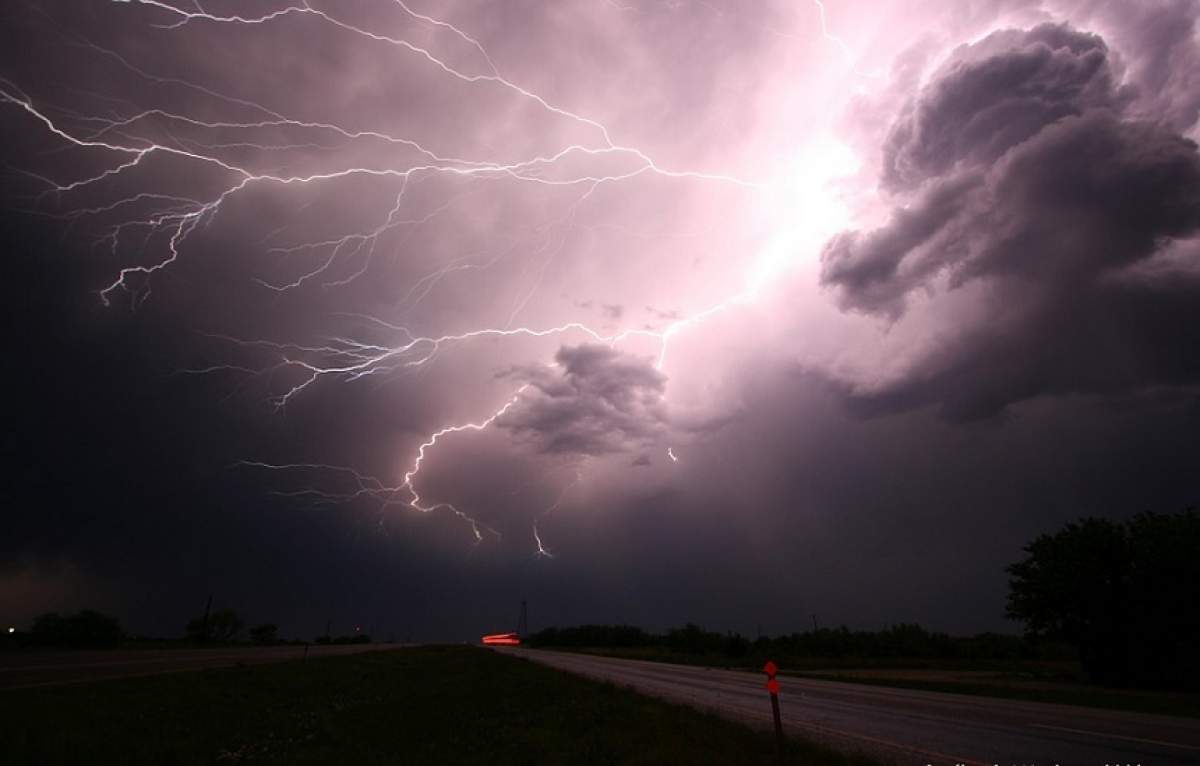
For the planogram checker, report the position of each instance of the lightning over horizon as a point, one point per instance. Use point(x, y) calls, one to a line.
point(649, 312)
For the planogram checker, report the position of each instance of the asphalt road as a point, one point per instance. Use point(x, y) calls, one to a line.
point(19, 670)
point(907, 726)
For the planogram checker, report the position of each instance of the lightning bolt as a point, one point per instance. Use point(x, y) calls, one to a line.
point(130, 137)
point(840, 43)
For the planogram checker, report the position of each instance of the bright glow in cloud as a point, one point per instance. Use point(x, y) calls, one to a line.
point(806, 207)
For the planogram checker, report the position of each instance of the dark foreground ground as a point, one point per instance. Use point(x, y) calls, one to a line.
point(26, 669)
point(428, 705)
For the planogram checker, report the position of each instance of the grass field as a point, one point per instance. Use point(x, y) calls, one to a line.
point(432, 705)
point(1035, 681)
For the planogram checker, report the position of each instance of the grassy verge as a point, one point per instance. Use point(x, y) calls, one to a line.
point(436, 705)
point(1033, 681)
point(1132, 700)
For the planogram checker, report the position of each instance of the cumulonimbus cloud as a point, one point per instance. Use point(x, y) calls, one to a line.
point(1028, 166)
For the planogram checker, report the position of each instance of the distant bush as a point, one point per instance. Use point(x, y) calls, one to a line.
point(221, 625)
point(693, 639)
point(267, 633)
point(357, 638)
point(592, 635)
point(87, 628)
point(736, 645)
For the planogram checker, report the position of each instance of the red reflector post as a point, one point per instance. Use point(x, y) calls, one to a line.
point(773, 688)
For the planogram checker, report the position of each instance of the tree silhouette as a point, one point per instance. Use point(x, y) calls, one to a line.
point(1126, 594)
point(267, 633)
point(222, 625)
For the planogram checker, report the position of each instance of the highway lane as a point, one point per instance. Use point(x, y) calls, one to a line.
point(906, 726)
point(21, 670)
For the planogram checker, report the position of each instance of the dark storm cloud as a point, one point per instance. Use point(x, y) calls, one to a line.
point(1020, 169)
point(867, 265)
point(596, 400)
point(980, 108)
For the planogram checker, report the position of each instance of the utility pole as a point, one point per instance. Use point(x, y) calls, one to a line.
point(815, 628)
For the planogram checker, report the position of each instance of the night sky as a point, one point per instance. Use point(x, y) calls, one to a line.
point(397, 313)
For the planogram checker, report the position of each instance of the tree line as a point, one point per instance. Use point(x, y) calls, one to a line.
point(1121, 596)
point(90, 629)
point(902, 641)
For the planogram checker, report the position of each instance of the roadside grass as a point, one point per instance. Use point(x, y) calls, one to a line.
point(1029, 680)
point(427, 705)
point(1083, 695)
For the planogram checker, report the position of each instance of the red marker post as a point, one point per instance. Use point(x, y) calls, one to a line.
point(773, 687)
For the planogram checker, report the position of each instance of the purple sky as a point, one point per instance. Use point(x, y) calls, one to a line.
point(399, 312)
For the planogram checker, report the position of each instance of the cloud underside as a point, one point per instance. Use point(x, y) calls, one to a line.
point(595, 400)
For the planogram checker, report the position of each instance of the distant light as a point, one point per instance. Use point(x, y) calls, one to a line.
point(502, 639)
point(12, 630)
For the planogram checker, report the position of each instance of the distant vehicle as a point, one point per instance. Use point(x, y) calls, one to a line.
point(510, 639)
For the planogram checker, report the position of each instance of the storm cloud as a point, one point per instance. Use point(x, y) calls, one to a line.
point(1019, 170)
point(594, 401)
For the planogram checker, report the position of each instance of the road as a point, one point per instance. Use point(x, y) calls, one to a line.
point(20, 670)
point(906, 726)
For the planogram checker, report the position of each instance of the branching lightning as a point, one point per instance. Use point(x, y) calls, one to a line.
point(128, 137)
point(537, 537)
